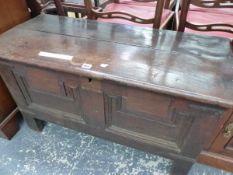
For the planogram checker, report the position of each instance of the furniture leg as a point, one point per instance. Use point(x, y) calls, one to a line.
point(181, 167)
point(34, 123)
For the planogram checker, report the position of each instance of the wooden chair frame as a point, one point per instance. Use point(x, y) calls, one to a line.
point(181, 20)
point(94, 13)
point(63, 6)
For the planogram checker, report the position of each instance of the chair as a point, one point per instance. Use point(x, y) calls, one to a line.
point(211, 10)
point(146, 13)
point(210, 17)
point(41, 6)
point(75, 6)
point(48, 7)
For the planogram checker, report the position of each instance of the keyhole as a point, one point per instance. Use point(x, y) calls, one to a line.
point(90, 80)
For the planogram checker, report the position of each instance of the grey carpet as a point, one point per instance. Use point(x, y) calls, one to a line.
point(61, 151)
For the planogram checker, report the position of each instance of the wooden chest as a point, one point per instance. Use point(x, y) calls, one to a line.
point(159, 91)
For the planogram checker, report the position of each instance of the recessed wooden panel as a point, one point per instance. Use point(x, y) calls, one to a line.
point(168, 122)
point(55, 102)
point(43, 81)
point(216, 160)
point(93, 108)
point(147, 103)
point(154, 128)
point(47, 90)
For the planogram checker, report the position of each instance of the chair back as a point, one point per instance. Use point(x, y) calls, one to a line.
point(65, 6)
point(95, 13)
point(181, 18)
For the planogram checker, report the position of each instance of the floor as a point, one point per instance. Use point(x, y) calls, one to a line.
point(61, 151)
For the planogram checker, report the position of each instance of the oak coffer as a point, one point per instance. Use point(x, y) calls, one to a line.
point(160, 91)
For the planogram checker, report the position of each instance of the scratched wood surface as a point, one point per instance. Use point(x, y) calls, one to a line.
point(192, 66)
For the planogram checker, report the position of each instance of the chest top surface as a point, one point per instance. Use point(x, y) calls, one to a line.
point(191, 66)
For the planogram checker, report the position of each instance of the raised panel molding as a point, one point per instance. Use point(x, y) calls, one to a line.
point(179, 124)
point(22, 85)
point(68, 94)
point(71, 96)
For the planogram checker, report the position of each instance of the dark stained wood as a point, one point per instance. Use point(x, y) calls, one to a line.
point(35, 7)
point(12, 12)
point(216, 160)
point(8, 113)
point(223, 143)
point(221, 151)
point(7, 104)
point(149, 89)
point(219, 154)
point(41, 6)
point(147, 47)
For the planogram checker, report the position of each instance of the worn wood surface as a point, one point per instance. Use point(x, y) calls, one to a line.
point(149, 89)
point(187, 65)
point(8, 113)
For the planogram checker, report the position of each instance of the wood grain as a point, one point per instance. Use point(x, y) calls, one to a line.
point(185, 81)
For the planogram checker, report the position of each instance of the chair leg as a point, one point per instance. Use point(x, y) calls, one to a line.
point(60, 9)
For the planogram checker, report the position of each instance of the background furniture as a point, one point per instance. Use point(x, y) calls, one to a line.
point(146, 13)
point(64, 7)
point(103, 96)
point(12, 13)
point(41, 6)
point(220, 153)
point(138, 13)
point(8, 113)
point(206, 17)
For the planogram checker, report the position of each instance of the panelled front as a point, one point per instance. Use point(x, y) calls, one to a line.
point(64, 95)
point(135, 114)
point(159, 120)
